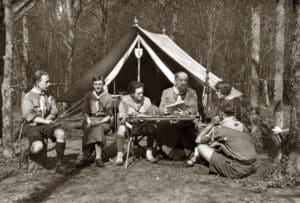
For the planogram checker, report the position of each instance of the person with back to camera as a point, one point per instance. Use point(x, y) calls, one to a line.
point(226, 146)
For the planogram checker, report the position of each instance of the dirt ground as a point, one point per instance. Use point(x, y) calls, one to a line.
point(166, 181)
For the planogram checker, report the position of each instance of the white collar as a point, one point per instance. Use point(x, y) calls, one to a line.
point(98, 96)
point(229, 97)
point(176, 91)
point(229, 118)
point(36, 90)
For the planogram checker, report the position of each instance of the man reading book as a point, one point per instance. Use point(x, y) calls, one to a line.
point(178, 100)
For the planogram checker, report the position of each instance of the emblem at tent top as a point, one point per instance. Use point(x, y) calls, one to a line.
point(135, 22)
point(138, 51)
point(164, 30)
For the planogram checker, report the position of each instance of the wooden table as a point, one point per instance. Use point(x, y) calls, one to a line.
point(156, 118)
point(162, 118)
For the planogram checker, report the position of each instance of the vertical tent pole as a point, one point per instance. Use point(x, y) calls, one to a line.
point(115, 108)
point(139, 65)
point(138, 54)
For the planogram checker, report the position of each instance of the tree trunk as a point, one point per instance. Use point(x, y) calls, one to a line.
point(2, 52)
point(255, 53)
point(7, 139)
point(70, 42)
point(25, 52)
point(174, 24)
point(266, 92)
point(279, 63)
point(294, 137)
point(105, 6)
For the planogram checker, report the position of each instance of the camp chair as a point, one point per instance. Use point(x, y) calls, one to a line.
point(133, 142)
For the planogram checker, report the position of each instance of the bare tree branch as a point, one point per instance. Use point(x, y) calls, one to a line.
point(20, 14)
point(20, 5)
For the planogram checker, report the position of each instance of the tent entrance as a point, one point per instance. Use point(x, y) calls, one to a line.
point(153, 78)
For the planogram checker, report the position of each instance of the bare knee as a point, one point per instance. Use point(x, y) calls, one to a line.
point(60, 136)
point(121, 131)
point(205, 151)
point(36, 147)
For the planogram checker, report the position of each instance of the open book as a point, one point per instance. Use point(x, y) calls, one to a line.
point(179, 106)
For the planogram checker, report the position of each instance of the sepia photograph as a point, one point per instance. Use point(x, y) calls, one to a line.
point(150, 101)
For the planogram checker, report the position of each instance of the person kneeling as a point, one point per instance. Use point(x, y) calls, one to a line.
point(134, 104)
point(227, 147)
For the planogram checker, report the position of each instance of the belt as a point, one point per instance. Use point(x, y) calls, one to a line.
point(246, 162)
point(97, 114)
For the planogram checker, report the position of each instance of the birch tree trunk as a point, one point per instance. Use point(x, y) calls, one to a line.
point(70, 41)
point(255, 52)
point(25, 52)
point(279, 63)
point(7, 136)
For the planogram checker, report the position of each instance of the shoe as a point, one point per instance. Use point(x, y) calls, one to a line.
point(82, 163)
point(99, 163)
point(59, 168)
point(119, 160)
point(190, 163)
point(24, 159)
point(152, 160)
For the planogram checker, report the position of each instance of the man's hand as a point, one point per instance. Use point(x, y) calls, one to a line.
point(48, 121)
point(122, 120)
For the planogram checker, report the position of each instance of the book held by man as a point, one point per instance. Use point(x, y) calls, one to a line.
point(178, 106)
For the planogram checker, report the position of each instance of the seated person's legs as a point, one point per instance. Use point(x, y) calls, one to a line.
point(36, 147)
point(36, 144)
point(94, 139)
point(121, 133)
point(201, 151)
point(167, 134)
point(150, 131)
point(60, 139)
point(98, 160)
point(205, 151)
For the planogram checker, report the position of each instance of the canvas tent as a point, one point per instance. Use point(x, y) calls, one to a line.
point(161, 58)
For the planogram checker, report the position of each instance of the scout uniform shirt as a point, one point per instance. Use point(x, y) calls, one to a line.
point(129, 107)
point(38, 104)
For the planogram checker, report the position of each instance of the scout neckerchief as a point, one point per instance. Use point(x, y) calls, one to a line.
point(179, 96)
point(42, 99)
point(98, 97)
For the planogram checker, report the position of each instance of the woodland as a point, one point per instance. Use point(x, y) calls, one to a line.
point(253, 44)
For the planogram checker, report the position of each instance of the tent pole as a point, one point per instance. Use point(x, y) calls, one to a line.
point(138, 54)
point(139, 70)
point(115, 108)
point(139, 65)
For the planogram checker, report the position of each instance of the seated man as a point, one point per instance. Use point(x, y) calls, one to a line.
point(178, 135)
point(39, 112)
point(226, 146)
point(134, 104)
